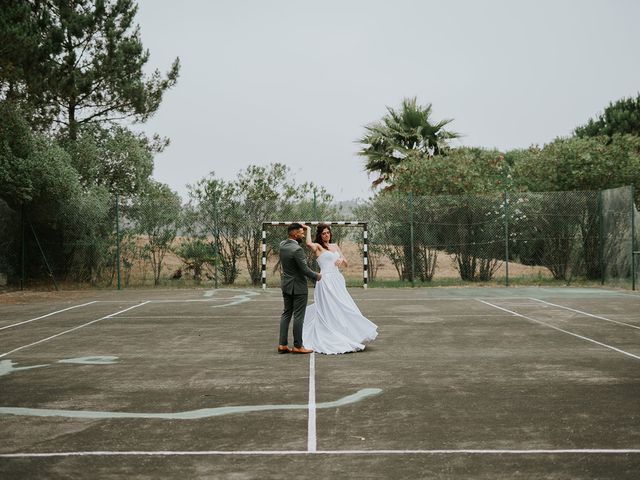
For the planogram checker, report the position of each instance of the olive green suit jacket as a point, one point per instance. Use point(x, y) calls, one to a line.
point(294, 268)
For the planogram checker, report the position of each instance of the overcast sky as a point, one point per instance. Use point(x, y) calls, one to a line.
point(295, 81)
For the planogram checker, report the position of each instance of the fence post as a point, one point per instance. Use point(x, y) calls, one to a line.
point(633, 240)
point(315, 206)
point(264, 256)
point(22, 248)
point(118, 240)
point(44, 257)
point(601, 236)
point(365, 255)
point(412, 249)
point(506, 237)
point(216, 235)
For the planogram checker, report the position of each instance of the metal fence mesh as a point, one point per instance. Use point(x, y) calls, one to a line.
point(505, 238)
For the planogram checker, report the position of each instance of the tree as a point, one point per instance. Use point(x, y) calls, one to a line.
point(454, 172)
point(33, 168)
point(23, 55)
point(261, 191)
point(92, 70)
point(71, 67)
point(157, 215)
point(309, 202)
point(36, 182)
point(114, 158)
point(387, 231)
point(582, 165)
point(216, 213)
point(232, 213)
point(197, 254)
point(87, 237)
point(620, 117)
point(590, 163)
point(458, 171)
point(16, 152)
point(402, 133)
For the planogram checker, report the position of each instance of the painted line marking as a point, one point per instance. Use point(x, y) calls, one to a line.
point(562, 330)
point(47, 315)
point(185, 317)
point(240, 296)
point(193, 414)
point(72, 329)
point(601, 292)
point(564, 451)
point(364, 296)
point(92, 360)
point(587, 314)
point(227, 317)
point(436, 315)
point(7, 367)
point(311, 430)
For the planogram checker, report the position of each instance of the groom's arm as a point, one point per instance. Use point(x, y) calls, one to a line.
point(301, 261)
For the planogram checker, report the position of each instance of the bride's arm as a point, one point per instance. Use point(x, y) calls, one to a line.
point(310, 244)
point(342, 261)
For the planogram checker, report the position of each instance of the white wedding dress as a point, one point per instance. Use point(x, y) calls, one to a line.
point(333, 323)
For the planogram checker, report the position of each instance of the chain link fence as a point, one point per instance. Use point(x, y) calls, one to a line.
point(500, 239)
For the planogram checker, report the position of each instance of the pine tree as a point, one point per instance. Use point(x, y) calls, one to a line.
point(77, 62)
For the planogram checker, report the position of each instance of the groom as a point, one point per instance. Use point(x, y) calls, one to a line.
point(294, 288)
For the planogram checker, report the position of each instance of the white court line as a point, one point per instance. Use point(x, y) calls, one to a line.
point(587, 314)
point(568, 451)
point(311, 429)
point(184, 317)
point(602, 292)
point(356, 296)
point(47, 315)
point(429, 299)
point(231, 317)
point(432, 299)
point(72, 329)
point(561, 330)
point(205, 300)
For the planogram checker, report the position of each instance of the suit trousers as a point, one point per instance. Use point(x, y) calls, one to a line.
point(294, 305)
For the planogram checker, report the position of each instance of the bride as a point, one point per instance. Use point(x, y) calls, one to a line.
point(333, 323)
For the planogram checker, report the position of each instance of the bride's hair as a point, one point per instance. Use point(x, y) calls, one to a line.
point(321, 228)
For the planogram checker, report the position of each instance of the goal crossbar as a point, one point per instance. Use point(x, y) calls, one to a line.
point(346, 223)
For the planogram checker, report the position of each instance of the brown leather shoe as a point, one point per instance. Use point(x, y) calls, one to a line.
point(283, 349)
point(301, 350)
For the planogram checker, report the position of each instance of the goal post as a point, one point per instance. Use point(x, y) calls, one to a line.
point(346, 223)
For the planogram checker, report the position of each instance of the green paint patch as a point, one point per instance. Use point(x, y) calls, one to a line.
point(241, 296)
point(7, 367)
point(95, 360)
point(189, 415)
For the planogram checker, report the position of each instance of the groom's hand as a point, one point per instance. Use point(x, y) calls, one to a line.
point(319, 277)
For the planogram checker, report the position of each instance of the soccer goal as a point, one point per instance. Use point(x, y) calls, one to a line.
point(365, 246)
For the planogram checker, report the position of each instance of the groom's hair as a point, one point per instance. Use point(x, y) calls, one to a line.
point(292, 227)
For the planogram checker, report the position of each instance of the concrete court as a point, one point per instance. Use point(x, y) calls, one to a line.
point(470, 383)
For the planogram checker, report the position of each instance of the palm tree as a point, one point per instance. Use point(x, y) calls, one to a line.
point(400, 134)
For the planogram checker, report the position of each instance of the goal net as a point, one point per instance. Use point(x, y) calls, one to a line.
point(365, 247)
